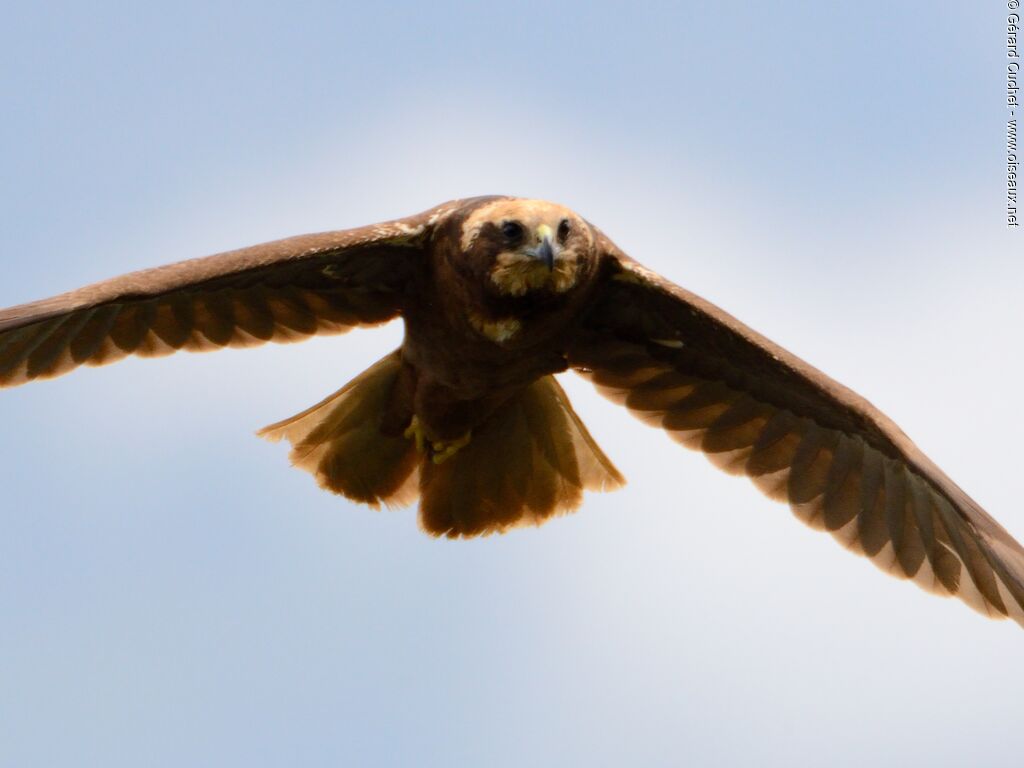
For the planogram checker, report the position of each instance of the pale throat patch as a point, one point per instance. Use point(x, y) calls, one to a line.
point(498, 331)
point(515, 274)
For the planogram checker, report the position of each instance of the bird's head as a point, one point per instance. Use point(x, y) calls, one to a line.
point(525, 247)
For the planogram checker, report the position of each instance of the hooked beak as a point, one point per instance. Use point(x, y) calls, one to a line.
point(544, 252)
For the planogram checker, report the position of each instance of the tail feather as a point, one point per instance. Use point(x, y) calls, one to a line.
point(339, 441)
point(529, 461)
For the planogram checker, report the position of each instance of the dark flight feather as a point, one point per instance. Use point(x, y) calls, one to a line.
point(714, 384)
point(281, 291)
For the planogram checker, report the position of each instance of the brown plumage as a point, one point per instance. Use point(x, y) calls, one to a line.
point(497, 295)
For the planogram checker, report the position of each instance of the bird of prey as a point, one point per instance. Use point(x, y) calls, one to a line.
point(498, 294)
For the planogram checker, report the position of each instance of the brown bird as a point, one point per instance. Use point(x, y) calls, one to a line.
point(498, 294)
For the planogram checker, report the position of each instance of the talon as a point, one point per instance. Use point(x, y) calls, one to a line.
point(439, 452)
point(416, 433)
point(444, 451)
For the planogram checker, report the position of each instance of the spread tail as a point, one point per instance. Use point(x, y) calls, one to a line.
point(530, 460)
point(340, 442)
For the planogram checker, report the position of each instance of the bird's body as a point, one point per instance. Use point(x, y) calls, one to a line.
point(470, 343)
point(498, 295)
point(487, 323)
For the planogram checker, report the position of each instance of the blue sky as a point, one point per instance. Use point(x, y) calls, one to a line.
point(171, 593)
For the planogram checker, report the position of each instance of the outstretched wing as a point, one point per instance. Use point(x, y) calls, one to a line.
point(682, 364)
point(286, 290)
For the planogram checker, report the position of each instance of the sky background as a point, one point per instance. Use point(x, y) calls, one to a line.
point(172, 593)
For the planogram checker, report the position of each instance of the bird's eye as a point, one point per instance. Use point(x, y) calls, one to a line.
point(563, 230)
point(512, 230)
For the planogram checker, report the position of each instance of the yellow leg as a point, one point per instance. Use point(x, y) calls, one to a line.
point(440, 451)
point(444, 451)
point(416, 432)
